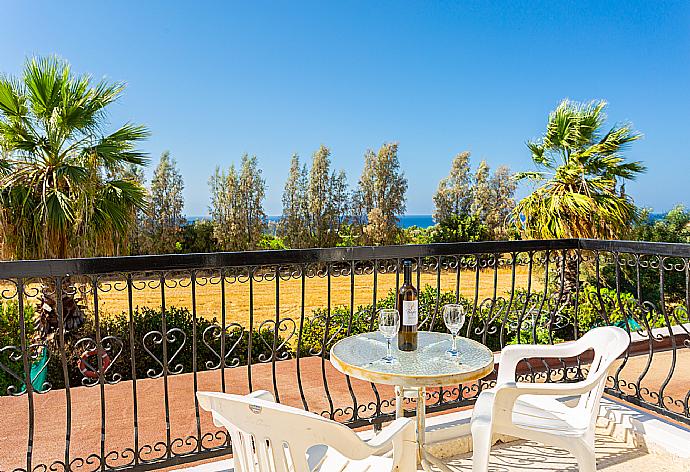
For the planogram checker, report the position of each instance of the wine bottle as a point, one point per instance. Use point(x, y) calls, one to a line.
point(408, 308)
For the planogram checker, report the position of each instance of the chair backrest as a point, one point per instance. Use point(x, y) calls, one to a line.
point(269, 437)
point(608, 343)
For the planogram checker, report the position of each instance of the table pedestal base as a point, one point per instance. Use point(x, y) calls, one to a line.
point(424, 458)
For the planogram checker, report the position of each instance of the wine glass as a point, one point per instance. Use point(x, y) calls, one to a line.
point(454, 317)
point(389, 321)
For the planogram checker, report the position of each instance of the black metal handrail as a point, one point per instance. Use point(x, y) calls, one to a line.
point(104, 265)
point(161, 329)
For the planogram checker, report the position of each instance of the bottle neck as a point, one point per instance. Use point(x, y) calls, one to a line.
point(407, 273)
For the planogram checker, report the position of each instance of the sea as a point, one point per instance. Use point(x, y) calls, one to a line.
point(421, 221)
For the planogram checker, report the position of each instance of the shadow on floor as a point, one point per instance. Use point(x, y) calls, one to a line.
point(614, 454)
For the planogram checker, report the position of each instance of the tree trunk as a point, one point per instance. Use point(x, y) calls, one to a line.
point(569, 269)
point(46, 319)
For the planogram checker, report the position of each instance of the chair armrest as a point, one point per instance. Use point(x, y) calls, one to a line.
point(507, 393)
point(511, 355)
point(262, 395)
point(391, 432)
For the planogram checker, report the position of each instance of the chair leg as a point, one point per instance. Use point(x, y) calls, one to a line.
point(587, 463)
point(481, 448)
point(586, 459)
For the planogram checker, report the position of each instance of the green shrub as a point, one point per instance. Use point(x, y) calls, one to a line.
point(144, 320)
point(674, 227)
point(417, 235)
point(10, 336)
point(595, 308)
point(459, 228)
point(198, 237)
point(268, 241)
point(339, 320)
point(605, 307)
point(527, 336)
point(314, 328)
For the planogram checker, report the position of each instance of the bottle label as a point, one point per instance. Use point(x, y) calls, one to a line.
point(410, 313)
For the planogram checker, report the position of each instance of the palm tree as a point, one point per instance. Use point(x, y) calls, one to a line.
point(581, 185)
point(65, 185)
point(580, 189)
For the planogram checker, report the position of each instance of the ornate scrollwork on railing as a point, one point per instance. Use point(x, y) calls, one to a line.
point(518, 293)
point(12, 355)
point(233, 333)
point(110, 283)
point(11, 363)
point(184, 446)
point(149, 453)
point(120, 459)
point(155, 338)
point(214, 440)
point(111, 351)
point(328, 337)
point(286, 330)
point(364, 267)
point(490, 309)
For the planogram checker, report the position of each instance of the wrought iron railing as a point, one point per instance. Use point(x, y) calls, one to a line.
point(116, 390)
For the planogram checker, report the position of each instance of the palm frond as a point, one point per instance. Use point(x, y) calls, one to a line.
point(83, 104)
point(120, 147)
point(55, 200)
point(582, 198)
point(529, 175)
point(115, 203)
point(12, 99)
point(43, 78)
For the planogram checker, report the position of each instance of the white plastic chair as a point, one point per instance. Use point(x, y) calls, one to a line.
point(532, 410)
point(269, 437)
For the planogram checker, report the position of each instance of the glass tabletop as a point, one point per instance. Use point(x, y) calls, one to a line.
point(361, 356)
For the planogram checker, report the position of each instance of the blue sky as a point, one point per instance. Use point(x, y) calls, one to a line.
point(213, 80)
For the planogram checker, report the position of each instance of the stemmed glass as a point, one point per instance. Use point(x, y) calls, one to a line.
point(454, 317)
point(389, 321)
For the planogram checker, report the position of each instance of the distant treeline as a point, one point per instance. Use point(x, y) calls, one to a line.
point(320, 208)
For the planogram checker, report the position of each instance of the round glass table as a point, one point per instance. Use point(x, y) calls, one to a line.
point(361, 356)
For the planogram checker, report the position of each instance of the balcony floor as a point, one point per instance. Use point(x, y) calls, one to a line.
point(614, 454)
point(618, 450)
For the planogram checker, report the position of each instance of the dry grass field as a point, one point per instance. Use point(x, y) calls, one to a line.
point(178, 293)
point(289, 298)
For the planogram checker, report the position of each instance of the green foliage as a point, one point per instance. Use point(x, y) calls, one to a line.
point(380, 196)
point(292, 226)
point(473, 208)
point(417, 235)
point(316, 204)
point(339, 325)
point(268, 241)
point(10, 336)
point(581, 192)
point(65, 190)
point(144, 320)
point(600, 308)
point(526, 336)
point(459, 228)
point(164, 220)
point(674, 227)
point(348, 235)
point(198, 237)
point(454, 193)
point(237, 212)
